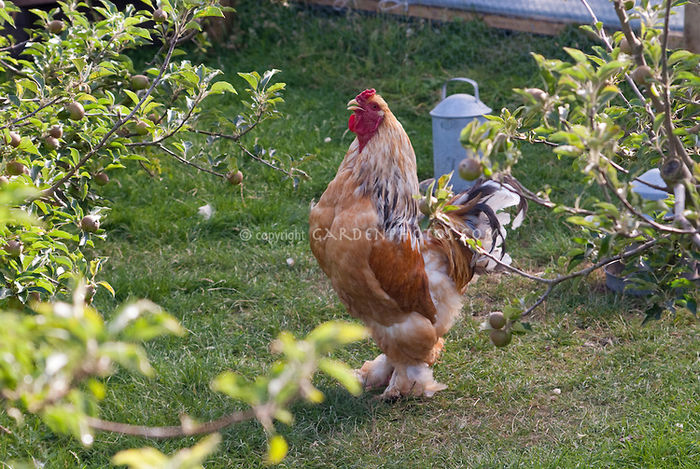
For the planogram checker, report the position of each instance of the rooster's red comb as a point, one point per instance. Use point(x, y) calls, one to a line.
point(365, 95)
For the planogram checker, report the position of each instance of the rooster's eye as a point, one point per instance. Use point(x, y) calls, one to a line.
point(375, 106)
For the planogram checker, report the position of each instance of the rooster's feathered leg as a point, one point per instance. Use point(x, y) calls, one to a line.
point(375, 373)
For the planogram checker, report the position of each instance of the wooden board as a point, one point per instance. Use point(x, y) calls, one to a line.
point(537, 25)
point(529, 25)
point(31, 3)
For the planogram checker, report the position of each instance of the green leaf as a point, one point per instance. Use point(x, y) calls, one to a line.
point(131, 356)
point(681, 283)
point(276, 450)
point(153, 325)
point(222, 87)
point(132, 95)
point(209, 11)
point(141, 458)
point(342, 373)
point(518, 328)
point(443, 194)
point(46, 285)
point(267, 76)
point(589, 29)
point(194, 457)
point(236, 387)
point(97, 388)
point(678, 56)
point(64, 419)
point(29, 84)
point(567, 150)
point(444, 180)
point(576, 54)
point(609, 69)
point(63, 260)
point(581, 221)
point(253, 78)
point(62, 234)
point(27, 145)
point(141, 32)
point(608, 208)
point(153, 314)
point(284, 416)
point(570, 138)
point(6, 17)
point(134, 156)
point(608, 93)
point(276, 87)
point(693, 78)
point(107, 287)
point(338, 332)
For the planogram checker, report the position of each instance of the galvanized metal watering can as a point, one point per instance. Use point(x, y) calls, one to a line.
point(450, 116)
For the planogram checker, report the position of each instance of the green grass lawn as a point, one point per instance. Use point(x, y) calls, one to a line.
point(591, 387)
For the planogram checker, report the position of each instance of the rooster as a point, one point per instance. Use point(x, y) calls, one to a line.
point(404, 284)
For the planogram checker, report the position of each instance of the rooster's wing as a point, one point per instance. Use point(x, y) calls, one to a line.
point(376, 277)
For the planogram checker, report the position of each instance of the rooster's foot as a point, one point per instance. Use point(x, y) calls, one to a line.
point(375, 373)
point(412, 380)
point(435, 352)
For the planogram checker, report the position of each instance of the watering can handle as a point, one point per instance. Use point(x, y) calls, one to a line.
point(468, 80)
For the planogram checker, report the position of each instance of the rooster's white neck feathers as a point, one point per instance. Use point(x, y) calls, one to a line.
point(385, 171)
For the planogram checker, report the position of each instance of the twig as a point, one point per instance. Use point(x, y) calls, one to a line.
point(174, 430)
point(562, 278)
point(175, 94)
point(182, 160)
point(539, 301)
point(549, 204)
point(186, 38)
point(174, 131)
point(234, 137)
point(14, 70)
point(640, 215)
point(653, 186)
point(584, 272)
point(529, 195)
point(637, 53)
point(290, 173)
point(552, 282)
point(19, 44)
point(675, 145)
point(163, 30)
point(101, 54)
point(636, 45)
point(21, 118)
point(259, 112)
point(148, 171)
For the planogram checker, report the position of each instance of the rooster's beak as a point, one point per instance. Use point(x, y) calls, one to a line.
point(354, 106)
